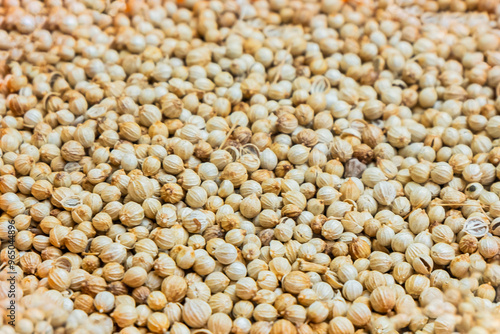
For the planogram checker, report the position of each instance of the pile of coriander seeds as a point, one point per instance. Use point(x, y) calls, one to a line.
point(250, 167)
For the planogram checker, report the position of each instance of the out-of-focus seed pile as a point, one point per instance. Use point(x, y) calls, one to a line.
point(269, 167)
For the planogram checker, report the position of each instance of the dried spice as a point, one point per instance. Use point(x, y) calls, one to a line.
point(250, 167)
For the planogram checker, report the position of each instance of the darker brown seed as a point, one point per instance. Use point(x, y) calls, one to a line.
point(266, 236)
point(363, 153)
point(141, 294)
point(354, 168)
point(214, 231)
point(117, 288)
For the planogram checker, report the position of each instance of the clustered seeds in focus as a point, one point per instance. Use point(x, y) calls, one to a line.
point(262, 167)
